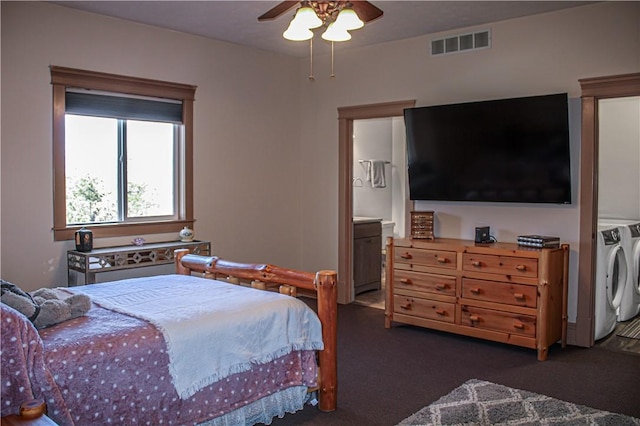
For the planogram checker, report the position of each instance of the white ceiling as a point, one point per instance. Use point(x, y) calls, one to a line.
point(236, 21)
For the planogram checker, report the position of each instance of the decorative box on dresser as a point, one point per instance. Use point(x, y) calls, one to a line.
point(499, 291)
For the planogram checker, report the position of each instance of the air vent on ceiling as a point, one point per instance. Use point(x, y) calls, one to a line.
point(461, 43)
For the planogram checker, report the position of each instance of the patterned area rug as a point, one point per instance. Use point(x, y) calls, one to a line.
point(479, 403)
point(631, 330)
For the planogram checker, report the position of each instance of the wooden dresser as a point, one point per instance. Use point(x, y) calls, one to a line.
point(499, 291)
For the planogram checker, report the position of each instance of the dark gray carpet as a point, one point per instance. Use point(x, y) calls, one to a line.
point(385, 375)
point(480, 403)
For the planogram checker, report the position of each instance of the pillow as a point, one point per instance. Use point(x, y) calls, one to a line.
point(46, 306)
point(19, 300)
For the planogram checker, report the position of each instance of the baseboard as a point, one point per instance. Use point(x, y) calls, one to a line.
point(571, 334)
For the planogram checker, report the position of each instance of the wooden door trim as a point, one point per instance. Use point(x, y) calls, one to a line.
point(346, 115)
point(593, 89)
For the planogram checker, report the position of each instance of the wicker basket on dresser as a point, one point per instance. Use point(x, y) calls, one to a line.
point(501, 291)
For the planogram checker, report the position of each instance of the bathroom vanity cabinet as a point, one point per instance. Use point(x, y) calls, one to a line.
point(367, 265)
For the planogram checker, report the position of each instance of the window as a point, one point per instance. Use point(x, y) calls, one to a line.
point(122, 154)
point(121, 169)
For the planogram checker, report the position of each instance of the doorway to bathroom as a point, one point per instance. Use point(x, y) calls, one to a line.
point(379, 190)
point(347, 116)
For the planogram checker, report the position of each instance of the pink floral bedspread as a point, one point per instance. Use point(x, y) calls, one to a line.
point(110, 368)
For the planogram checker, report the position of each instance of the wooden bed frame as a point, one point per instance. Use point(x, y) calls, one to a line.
point(263, 276)
point(286, 281)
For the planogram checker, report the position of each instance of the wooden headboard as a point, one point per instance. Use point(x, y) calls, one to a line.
point(322, 283)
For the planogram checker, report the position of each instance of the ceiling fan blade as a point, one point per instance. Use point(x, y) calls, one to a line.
point(366, 11)
point(277, 10)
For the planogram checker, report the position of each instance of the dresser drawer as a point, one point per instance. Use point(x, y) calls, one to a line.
point(493, 291)
point(439, 258)
point(424, 308)
point(506, 265)
point(428, 283)
point(490, 319)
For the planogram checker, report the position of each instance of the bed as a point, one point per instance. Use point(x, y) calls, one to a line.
point(117, 365)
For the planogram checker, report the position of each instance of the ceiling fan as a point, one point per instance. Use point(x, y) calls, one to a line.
point(326, 9)
point(336, 17)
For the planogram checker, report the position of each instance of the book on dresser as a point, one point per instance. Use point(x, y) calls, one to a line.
point(539, 241)
point(504, 292)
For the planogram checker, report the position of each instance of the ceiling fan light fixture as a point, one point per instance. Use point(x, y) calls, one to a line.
point(338, 17)
point(334, 33)
point(307, 17)
point(348, 19)
point(297, 33)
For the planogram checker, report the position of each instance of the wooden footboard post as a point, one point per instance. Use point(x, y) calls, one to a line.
point(180, 268)
point(326, 285)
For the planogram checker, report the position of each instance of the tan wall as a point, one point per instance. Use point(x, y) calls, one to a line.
point(246, 149)
point(542, 54)
point(250, 111)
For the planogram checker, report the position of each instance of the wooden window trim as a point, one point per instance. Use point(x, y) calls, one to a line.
point(61, 78)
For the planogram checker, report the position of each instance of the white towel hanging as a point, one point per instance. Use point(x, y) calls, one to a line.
point(375, 172)
point(378, 179)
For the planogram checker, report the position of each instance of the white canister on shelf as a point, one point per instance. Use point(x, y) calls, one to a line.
point(186, 234)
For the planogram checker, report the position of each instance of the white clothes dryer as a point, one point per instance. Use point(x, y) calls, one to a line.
point(611, 277)
point(630, 240)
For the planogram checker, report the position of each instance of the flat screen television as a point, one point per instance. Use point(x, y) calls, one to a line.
point(509, 150)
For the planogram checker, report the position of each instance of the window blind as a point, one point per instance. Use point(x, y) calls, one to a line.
point(123, 107)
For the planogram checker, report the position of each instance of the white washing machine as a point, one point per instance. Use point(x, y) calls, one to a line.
point(611, 278)
point(630, 240)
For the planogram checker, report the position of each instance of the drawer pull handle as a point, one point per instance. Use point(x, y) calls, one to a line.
point(519, 326)
point(406, 306)
point(406, 256)
point(518, 296)
point(441, 286)
point(521, 268)
point(442, 260)
point(474, 318)
point(441, 312)
point(474, 290)
point(406, 281)
point(476, 263)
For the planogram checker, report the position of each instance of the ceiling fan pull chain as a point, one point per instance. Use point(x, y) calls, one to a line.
point(311, 77)
point(332, 74)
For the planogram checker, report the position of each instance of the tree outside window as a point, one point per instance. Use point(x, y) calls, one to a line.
point(106, 155)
